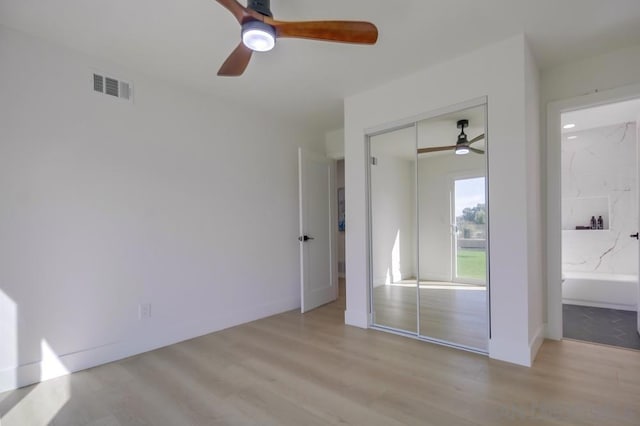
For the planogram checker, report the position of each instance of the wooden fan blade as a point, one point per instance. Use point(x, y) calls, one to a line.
point(476, 139)
point(436, 149)
point(238, 10)
point(237, 62)
point(476, 150)
point(338, 31)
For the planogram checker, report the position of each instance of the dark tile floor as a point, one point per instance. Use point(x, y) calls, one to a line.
point(599, 325)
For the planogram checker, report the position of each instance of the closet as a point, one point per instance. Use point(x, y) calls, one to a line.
point(428, 233)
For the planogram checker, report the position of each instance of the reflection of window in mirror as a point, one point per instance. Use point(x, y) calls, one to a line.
point(470, 237)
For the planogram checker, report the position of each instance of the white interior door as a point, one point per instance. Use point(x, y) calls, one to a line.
point(319, 275)
point(638, 229)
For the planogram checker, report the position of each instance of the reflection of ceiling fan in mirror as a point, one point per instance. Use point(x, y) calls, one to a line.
point(462, 147)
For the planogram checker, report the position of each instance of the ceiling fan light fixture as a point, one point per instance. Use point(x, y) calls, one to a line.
point(462, 150)
point(258, 36)
point(462, 147)
point(259, 32)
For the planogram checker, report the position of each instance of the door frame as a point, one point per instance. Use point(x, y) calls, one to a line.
point(554, 192)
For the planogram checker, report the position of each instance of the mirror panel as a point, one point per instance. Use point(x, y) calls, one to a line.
point(392, 178)
point(452, 224)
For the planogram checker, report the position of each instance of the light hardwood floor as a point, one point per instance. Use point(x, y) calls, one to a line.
point(311, 369)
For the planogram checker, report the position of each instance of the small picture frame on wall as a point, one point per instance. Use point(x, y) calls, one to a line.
point(341, 224)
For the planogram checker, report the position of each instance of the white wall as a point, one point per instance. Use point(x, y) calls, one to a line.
point(174, 200)
point(499, 72)
point(334, 144)
point(614, 69)
point(588, 82)
point(535, 222)
point(435, 177)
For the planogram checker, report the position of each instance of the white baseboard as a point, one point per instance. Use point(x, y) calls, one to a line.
point(536, 341)
point(38, 371)
point(550, 334)
point(510, 351)
point(356, 318)
point(35, 372)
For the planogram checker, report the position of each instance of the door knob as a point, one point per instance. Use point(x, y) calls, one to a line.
point(636, 236)
point(305, 238)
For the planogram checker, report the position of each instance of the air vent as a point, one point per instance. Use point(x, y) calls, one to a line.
point(98, 83)
point(112, 87)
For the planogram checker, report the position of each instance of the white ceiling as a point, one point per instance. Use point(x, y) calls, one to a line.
point(186, 41)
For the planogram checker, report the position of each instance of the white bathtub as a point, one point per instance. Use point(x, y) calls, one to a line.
point(615, 291)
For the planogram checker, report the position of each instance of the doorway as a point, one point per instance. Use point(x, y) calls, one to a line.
point(599, 213)
point(592, 213)
point(341, 232)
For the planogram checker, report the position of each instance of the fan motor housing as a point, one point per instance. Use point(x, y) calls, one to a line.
point(261, 6)
point(462, 137)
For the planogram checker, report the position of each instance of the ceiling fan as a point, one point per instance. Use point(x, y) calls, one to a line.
point(260, 31)
point(462, 147)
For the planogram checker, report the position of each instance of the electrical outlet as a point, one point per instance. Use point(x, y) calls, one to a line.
point(144, 311)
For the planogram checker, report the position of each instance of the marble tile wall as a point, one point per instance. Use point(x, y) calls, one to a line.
point(599, 177)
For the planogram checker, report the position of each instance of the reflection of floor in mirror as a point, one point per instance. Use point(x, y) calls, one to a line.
point(452, 312)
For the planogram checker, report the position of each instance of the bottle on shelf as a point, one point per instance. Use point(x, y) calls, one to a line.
point(594, 223)
point(600, 223)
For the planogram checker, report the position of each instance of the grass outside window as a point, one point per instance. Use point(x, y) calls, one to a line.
point(472, 264)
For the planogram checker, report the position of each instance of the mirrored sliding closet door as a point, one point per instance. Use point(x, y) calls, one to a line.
point(392, 178)
point(429, 229)
point(452, 223)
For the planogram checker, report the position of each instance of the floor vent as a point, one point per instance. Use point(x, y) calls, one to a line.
point(112, 87)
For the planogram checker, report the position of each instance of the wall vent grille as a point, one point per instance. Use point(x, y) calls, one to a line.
point(98, 83)
point(112, 87)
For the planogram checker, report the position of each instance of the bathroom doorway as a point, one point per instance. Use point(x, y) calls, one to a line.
point(599, 222)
